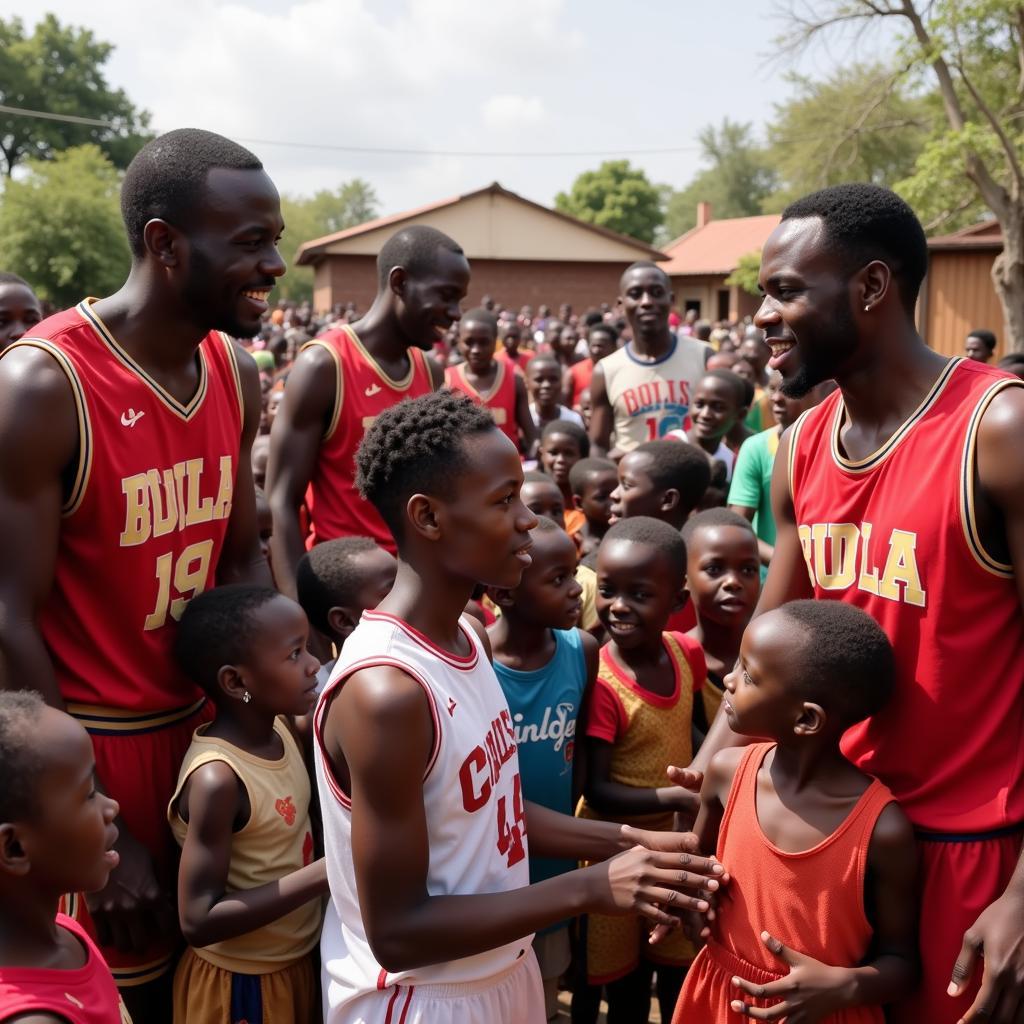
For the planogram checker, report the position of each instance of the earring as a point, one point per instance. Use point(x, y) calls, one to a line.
point(867, 309)
point(246, 696)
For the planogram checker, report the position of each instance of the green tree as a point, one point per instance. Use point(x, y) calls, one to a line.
point(746, 273)
point(738, 179)
point(861, 124)
point(307, 217)
point(59, 70)
point(615, 196)
point(61, 229)
point(972, 53)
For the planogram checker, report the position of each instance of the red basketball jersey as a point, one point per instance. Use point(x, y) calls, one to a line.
point(363, 391)
point(145, 516)
point(895, 534)
point(500, 401)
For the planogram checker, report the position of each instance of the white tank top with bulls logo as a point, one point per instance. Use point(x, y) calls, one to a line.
point(472, 796)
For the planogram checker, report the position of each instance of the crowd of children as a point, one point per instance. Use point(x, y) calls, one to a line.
point(438, 773)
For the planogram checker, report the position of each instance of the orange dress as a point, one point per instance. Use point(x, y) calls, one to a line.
point(813, 901)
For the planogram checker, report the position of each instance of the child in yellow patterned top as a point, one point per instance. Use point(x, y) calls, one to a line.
point(648, 697)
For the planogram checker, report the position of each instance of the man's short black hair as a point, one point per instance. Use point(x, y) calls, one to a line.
point(715, 517)
point(542, 360)
point(217, 629)
point(6, 277)
point(482, 316)
point(646, 265)
point(166, 178)
point(680, 465)
point(20, 759)
point(603, 327)
point(580, 472)
point(987, 338)
point(415, 447)
point(535, 476)
point(327, 577)
point(866, 222)
point(415, 250)
point(655, 533)
point(846, 663)
point(568, 429)
point(736, 384)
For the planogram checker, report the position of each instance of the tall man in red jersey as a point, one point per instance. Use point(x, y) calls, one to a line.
point(344, 379)
point(903, 493)
point(126, 489)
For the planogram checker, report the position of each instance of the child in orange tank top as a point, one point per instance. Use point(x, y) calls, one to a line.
point(818, 922)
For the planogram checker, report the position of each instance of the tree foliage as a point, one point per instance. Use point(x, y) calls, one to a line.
point(308, 217)
point(59, 69)
point(737, 181)
point(615, 196)
point(61, 229)
point(746, 273)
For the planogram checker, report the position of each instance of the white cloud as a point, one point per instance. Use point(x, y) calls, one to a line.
point(510, 111)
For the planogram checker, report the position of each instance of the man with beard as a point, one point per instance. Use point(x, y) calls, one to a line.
point(903, 494)
point(644, 389)
point(344, 379)
point(125, 490)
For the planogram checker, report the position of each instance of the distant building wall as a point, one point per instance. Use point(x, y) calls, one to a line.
point(959, 298)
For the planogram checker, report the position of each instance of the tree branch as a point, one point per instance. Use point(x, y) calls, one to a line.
point(996, 125)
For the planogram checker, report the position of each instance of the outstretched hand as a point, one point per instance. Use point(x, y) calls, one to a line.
point(808, 993)
point(997, 936)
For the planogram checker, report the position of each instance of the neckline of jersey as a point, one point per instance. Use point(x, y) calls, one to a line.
point(396, 385)
point(484, 396)
point(657, 700)
point(628, 349)
point(465, 662)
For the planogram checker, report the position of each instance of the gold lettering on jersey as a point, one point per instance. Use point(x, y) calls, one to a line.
point(159, 502)
point(841, 555)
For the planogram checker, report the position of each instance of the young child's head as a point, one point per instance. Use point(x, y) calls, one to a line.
point(339, 579)
point(787, 410)
point(447, 482)
point(809, 668)
point(602, 340)
point(544, 382)
point(548, 594)
point(723, 567)
point(57, 830)
point(641, 579)
point(259, 457)
point(511, 337)
point(20, 310)
point(264, 522)
point(542, 496)
point(592, 482)
point(718, 402)
point(562, 445)
point(566, 344)
point(478, 336)
point(244, 645)
point(663, 479)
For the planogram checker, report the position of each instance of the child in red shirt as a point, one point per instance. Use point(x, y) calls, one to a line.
point(57, 835)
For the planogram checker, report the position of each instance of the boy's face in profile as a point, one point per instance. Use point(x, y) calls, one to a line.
point(636, 494)
point(636, 593)
point(715, 409)
point(543, 498)
point(67, 844)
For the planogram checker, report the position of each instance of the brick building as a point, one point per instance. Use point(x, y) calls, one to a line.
point(521, 253)
point(701, 260)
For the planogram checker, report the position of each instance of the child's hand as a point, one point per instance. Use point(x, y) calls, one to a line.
point(695, 925)
point(809, 992)
point(642, 881)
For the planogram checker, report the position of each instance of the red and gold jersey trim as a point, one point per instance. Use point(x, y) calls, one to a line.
point(339, 386)
point(396, 385)
point(185, 410)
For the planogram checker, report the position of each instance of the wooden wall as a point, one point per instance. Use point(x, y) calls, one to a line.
point(960, 297)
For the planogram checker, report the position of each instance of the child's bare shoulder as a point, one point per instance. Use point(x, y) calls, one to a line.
point(893, 833)
point(722, 768)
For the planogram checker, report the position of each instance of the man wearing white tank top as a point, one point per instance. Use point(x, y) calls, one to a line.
point(432, 916)
point(643, 391)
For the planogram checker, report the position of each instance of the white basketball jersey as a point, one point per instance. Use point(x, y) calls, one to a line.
point(650, 399)
point(472, 796)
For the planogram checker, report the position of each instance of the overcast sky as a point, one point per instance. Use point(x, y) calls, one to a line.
point(510, 76)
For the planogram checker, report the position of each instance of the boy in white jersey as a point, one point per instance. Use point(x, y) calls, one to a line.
point(431, 915)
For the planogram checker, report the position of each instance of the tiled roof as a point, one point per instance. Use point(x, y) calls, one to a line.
point(986, 234)
point(716, 247)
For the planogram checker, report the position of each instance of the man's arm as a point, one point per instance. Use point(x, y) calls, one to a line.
point(436, 373)
point(38, 444)
point(405, 926)
point(999, 930)
point(601, 417)
point(614, 799)
point(240, 558)
point(295, 440)
point(524, 420)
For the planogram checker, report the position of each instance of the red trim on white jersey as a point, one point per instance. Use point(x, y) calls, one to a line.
point(455, 660)
point(340, 795)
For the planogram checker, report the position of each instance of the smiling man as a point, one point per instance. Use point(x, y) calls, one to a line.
point(346, 378)
point(643, 391)
point(125, 490)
